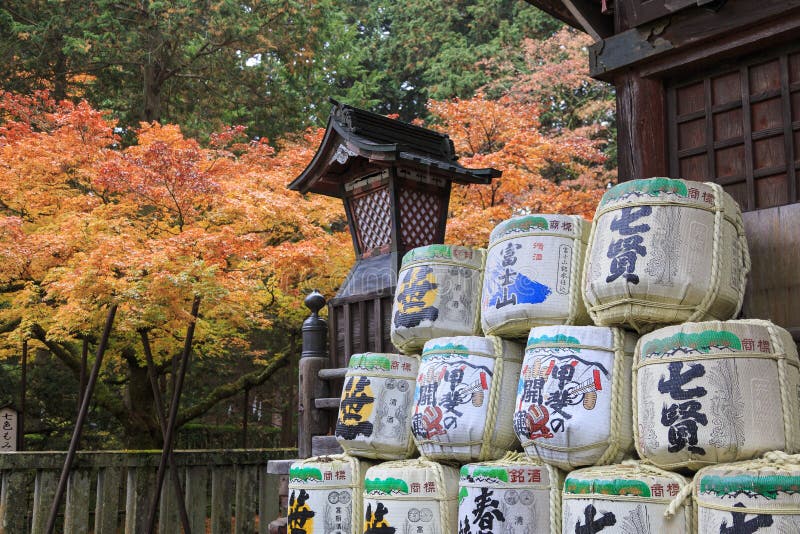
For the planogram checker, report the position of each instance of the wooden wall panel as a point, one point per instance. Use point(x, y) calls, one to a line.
point(728, 125)
point(386, 304)
point(765, 77)
point(359, 326)
point(773, 290)
point(726, 88)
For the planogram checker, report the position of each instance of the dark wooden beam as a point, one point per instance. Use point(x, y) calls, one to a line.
point(697, 32)
point(558, 10)
point(591, 20)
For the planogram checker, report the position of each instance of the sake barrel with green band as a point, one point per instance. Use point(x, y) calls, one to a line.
point(414, 496)
point(664, 251)
point(532, 276)
point(714, 392)
point(377, 402)
point(438, 294)
point(464, 398)
point(513, 494)
point(628, 498)
point(573, 405)
point(326, 495)
point(758, 496)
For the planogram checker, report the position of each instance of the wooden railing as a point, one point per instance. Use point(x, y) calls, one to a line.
point(110, 492)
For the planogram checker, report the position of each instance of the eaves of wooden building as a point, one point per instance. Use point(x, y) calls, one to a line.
point(710, 91)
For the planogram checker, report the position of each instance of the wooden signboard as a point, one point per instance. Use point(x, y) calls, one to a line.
point(8, 429)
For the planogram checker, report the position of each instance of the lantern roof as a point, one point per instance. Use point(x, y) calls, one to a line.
point(358, 142)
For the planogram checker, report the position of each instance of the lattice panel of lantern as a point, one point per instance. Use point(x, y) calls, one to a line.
point(372, 214)
point(420, 217)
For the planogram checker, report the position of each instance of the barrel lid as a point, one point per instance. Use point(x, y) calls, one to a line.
point(763, 484)
point(325, 471)
point(525, 473)
point(672, 190)
point(467, 256)
point(567, 225)
point(394, 364)
point(418, 479)
point(489, 347)
point(631, 479)
point(579, 337)
point(724, 338)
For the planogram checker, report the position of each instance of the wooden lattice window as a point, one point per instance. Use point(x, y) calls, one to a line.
point(372, 214)
point(420, 217)
point(740, 127)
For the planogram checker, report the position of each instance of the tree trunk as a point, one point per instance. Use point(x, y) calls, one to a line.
point(153, 68)
point(142, 430)
point(152, 93)
point(59, 71)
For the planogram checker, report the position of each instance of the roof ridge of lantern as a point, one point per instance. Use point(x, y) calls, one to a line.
point(404, 136)
point(358, 143)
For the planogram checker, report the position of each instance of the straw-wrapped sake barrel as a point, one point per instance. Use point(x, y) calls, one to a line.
point(664, 252)
point(438, 294)
point(756, 496)
point(326, 495)
point(512, 495)
point(714, 392)
point(377, 402)
point(464, 398)
point(532, 276)
point(414, 496)
point(573, 403)
point(628, 498)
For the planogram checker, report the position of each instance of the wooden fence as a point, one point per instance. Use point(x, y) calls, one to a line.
point(110, 492)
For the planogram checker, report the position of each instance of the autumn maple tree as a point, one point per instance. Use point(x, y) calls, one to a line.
point(551, 162)
point(84, 224)
point(95, 213)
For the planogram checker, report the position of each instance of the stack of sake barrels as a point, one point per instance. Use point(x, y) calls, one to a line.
point(607, 353)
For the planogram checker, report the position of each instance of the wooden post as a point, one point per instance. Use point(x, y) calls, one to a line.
point(176, 482)
point(76, 434)
point(173, 416)
point(642, 128)
point(23, 393)
point(314, 357)
point(245, 401)
point(84, 361)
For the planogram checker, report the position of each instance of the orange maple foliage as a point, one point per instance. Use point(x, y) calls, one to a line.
point(84, 223)
point(505, 134)
point(153, 224)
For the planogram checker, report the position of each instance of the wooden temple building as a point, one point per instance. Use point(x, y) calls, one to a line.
point(707, 90)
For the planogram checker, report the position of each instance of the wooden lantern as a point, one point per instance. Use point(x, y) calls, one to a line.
point(394, 179)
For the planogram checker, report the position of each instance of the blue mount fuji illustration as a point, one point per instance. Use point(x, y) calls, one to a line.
point(526, 290)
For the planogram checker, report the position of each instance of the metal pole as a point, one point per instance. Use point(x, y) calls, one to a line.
point(173, 415)
point(76, 434)
point(176, 481)
point(22, 395)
